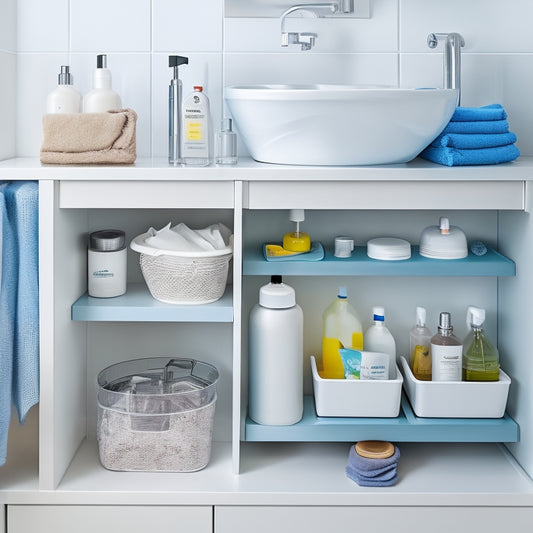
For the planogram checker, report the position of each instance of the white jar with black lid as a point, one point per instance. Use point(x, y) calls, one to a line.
point(107, 263)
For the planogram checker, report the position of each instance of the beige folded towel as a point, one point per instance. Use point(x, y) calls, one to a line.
point(88, 138)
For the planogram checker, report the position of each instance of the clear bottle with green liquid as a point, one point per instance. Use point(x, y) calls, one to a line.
point(481, 360)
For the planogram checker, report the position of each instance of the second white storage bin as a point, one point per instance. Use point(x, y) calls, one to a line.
point(456, 399)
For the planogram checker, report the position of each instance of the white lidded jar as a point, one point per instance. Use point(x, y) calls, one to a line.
point(275, 388)
point(107, 263)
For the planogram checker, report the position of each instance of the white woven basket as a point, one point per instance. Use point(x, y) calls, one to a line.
point(183, 277)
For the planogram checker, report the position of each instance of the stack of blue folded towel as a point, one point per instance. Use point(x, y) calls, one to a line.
point(474, 136)
point(370, 472)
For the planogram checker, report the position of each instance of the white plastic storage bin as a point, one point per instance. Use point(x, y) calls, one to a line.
point(356, 398)
point(156, 414)
point(456, 399)
point(183, 277)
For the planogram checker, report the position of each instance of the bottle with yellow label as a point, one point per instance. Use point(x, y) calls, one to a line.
point(342, 329)
point(196, 149)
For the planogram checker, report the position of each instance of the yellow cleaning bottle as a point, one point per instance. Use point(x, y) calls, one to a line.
point(341, 329)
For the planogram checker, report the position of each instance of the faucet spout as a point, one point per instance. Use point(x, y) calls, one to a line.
point(306, 40)
point(453, 42)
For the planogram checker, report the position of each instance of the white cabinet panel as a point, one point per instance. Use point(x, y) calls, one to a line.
point(375, 519)
point(107, 519)
point(385, 195)
point(146, 194)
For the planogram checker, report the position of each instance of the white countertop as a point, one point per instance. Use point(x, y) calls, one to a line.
point(249, 170)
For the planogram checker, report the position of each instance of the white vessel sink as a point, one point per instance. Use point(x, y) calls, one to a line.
point(338, 124)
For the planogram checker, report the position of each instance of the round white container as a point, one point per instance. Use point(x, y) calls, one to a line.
point(107, 264)
point(275, 389)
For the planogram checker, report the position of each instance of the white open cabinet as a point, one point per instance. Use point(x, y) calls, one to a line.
point(450, 465)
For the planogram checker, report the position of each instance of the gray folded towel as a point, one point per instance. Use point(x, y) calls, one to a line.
point(89, 138)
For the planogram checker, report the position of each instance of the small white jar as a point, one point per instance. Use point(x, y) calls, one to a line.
point(107, 263)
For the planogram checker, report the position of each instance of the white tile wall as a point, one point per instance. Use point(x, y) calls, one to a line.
point(110, 25)
point(8, 65)
point(388, 48)
point(42, 26)
point(490, 26)
point(8, 26)
point(187, 26)
point(7, 109)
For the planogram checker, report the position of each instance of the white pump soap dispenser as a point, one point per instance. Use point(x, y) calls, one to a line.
point(102, 97)
point(64, 98)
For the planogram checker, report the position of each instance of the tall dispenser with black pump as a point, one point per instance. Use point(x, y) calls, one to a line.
point(174, 110)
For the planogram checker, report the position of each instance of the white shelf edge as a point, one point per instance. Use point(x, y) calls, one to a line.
point(298, 474)
point(138, 305)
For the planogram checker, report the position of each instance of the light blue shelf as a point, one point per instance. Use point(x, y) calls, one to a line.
point(405, 428)
point(491, 264)
point(138, 305)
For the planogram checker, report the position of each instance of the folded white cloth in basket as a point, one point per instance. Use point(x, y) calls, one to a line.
point(181, 238)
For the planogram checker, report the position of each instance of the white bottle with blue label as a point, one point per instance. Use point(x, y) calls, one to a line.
point(378, 338)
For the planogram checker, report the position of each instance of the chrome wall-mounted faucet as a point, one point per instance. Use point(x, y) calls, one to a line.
point(452, 58)
point(307, 40)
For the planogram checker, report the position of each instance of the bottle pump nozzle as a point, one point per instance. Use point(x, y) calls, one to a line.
point(175, 62)
point(297, 241)
point(475, 317)
point(174, 110)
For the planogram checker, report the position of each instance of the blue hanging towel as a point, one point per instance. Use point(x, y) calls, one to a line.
point(8, 294)
point(22, 198)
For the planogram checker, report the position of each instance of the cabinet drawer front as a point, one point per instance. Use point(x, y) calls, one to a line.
point(376, 519)
point(385, 195)
point(108, 519)
point(146, 194)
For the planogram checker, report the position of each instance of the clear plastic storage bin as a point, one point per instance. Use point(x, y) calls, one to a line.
point(156, 414)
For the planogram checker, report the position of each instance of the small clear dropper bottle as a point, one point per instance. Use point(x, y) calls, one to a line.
point(226, 144)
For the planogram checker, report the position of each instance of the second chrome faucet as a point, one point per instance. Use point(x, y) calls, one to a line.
point(305, 39)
